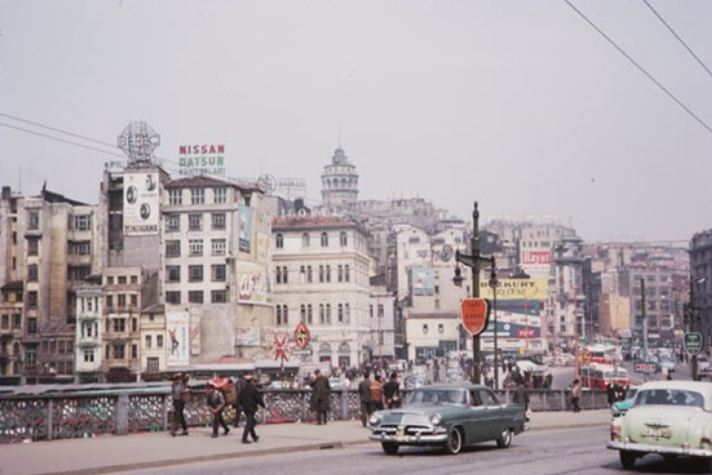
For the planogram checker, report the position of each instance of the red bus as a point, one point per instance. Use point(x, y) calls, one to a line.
point(598, 376)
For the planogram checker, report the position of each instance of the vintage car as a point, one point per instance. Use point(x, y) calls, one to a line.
point(670, 418)
point(449, 416)
point(621, 407)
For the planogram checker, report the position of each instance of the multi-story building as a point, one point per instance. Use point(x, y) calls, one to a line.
point(11, 332)
point(567, 299)
point(155, 341)
point(433, 334)
point(88, 331)
point(382, 319)
point(701, 276)
point(321, 278)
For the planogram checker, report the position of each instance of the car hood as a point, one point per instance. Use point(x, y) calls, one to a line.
point(418, 414)
point(642, 423)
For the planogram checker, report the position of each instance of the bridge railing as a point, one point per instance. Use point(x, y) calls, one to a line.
point(89, 413)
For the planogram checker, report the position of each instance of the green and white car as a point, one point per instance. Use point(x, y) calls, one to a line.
point(670, 418)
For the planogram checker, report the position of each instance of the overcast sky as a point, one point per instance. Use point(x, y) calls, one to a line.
point(518, 104)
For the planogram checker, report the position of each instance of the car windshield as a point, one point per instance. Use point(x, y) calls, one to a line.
point(631, 393)
point(669, 397)
point(438, 396)
point(621, 373)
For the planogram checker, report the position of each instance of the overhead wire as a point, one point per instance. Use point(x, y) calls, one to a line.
point(652, 78)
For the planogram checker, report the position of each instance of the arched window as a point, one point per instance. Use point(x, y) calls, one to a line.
point(285, 315)
point(279, 241)
point(278, 310)
point(340, 313)
point(309, 274)
point(347, 273)
point(324, 239)
point(305, 240)
point(309, 314)
point(328, 273)
point(303, 313)
point(322, 315)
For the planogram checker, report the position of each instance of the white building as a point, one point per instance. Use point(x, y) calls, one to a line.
point(382, 319)
point(339, 182)
point(88, 346)
point(431, 334)
point(413, 253)
point(320, 277)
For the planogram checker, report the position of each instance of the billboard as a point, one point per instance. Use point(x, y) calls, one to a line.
point(423, 281)
point(247, 336)
point(141, 204)
point(536, 262)
point(517, 289)
point(252, 284)
point(245, 213)
point(203, 159)
point(178, 325)
point(195, 335)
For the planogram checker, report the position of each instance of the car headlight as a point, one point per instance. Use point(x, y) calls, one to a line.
point(375, 419)
point(436, 419)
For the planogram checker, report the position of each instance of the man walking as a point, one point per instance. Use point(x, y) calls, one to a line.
point(364, 393)
point(575, 395)
point(321, 395)
point(179, 391)
point(250, 400)
point(391, 391)
point(377, 393)
point(216, 404)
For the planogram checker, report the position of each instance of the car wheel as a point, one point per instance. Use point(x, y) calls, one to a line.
point(389, 448)
point(505, 438)
point(627, 459)
point(453, 445)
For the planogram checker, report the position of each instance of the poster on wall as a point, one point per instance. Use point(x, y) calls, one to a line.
point(253, 284)
point(141, 204)
point(195, 335)
point(245, 228)
point(247, 336)
point(423, 281)
point(178, 325)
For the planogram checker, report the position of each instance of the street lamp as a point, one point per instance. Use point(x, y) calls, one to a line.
point(493, 282)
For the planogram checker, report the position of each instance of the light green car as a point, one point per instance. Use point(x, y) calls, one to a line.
point(670, 418)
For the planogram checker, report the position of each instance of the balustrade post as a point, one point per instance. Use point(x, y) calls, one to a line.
point(50, 418)
point(563, 399)
point(122, 414)
point(164, 412)
point(344, 404)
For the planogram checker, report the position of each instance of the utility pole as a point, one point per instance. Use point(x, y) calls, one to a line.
point(474, 262)
point(645, 320)
point(494, 283)
point(693, 327)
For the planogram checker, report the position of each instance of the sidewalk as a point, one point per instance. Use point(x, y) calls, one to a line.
point(106, 454)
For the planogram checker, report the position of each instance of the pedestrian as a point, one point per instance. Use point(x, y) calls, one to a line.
point(250, 400)
point(180, 393)
point(364, 393)
point(575, 394)
point(521, 397)
point(321, 396)
point(216, 404)
point(231, 394)
point(611, 394)
point(377, 394)
point(391, 391)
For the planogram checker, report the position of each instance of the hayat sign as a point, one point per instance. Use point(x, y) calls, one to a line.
point(201, 159)
point(536, 258)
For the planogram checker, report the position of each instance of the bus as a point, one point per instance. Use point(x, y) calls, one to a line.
point(601, 354)
point(599, 376)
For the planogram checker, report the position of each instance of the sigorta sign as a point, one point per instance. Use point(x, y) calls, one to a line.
point(475, 315)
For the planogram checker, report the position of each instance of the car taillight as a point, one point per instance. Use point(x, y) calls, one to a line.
point(615, 433)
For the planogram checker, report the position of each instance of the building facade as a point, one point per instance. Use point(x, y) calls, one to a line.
point(339, 182)
point(88, 350)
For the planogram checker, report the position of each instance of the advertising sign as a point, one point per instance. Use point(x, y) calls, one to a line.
point(423, 281)
point(140, 204)
point(253, 285)
point(245, 228)
point(247, 336)
point(517, 289)
point(694, 342)
point(475, 315)
point(536, 258)
point(195, 335)
point(205, 159)
point(647, 368)
point(178, 324)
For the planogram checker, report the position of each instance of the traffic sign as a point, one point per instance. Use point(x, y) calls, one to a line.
point(304, 352)
point(301, 335)
point(694, 342)
point(648, 368)
point(475, 315)
point(279, 349)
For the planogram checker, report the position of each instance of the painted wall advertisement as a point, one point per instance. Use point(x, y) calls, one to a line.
point(423, 281)
point(140, 204)
point(195, 335)
point(247, 336)
point(253, 284)
point(205, 159)
point(245, 228)
point(178, 325)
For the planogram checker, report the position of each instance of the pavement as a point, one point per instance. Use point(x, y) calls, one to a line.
point(155, 450)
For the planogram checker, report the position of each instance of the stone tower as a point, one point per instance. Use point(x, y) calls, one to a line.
point(339, 182)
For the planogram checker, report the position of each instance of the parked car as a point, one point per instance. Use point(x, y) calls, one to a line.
point(619, 408)
point(450, 416)
point(670, 418)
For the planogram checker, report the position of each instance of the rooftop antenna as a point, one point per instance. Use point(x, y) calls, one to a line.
point(19, 179)
point(338, 127)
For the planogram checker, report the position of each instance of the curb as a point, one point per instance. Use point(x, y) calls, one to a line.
point(577, 426)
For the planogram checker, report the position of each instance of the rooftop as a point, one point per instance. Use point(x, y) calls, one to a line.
point(311, 222)
point(432, 315)
point(204, 181)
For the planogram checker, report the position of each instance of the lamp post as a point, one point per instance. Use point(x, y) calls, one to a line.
point(474, 262)
point(493, 282)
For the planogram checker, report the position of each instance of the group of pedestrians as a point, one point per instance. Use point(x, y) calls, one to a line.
point(242, 395)
point(374, 395)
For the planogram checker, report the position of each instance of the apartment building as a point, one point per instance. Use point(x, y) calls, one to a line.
point(88, 331)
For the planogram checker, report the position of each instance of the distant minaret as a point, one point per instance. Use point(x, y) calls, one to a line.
point(339, 182)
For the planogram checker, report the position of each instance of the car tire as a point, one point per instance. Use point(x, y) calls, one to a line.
point(453, 445)
point(389, 448)
point(627, 459)
point(505, 438)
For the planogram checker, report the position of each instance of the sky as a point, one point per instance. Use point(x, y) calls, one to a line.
point(519, 105)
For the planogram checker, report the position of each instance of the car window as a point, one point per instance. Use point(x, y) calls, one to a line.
point(669, 397)
point(488, 399)
point(475, 398)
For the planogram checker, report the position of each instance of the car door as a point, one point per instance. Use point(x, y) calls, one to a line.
point(494, 417)
point(474, 427)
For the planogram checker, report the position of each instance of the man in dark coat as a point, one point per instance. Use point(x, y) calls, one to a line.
point(216, 404)
point(364, 392)
point(321, 394)
point(250, 400)
point(521, 396)
point(180, 393)
point(391, 391)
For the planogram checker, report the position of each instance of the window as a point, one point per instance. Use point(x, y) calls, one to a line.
point(108, 352)
point(195, 222)
point(110, 302)
point(282, 315)
point(134, 300)
point(305, 240)
point(173, 297)
point(425, 328)
point(324, 239)
point(218, 272)
point(82, 222)
point(220, 195)
point(218, 296)
point(152, 364)
point(175, 197)
point(32, 299)
point(302, 274)
point(278, 275)
point(122, 301)
point(218, 220)
point(195, 296)
point(302, 313)
point(172, 273)
point(33, 246)
point(17, 321)
point(279, 241)
point(172, 223)
point(80, 248)
point(437, 289)
point(110, 280)
point(309, 274)
point(195, 273)
point(441, 328)
point(134, 352)
point(32, 273)
point(197, 196)
point(322, 314)
point(195, 247)
point(88, 356)
point(172, 248)
point(340, 273)
point(5, 325)
point(328, 273)
point(309, 314)
point(33, 220)
point(347, 273)
point(381, 310)
point(159, 341)
point(285, 275)
point(343, 240)
point(78, 272)
point(328, 313)
point(370, 310)
point(347, 313)
point(148, 340)
point(340, 313)
point(119, 325)
point(217, 247)
point(321, 273)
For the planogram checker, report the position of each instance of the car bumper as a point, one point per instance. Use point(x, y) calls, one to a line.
point(418, 439)
point(659, 449)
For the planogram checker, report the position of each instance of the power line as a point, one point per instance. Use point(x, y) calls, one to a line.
point(55, 129)
point(640, 68)
point(674, 33)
